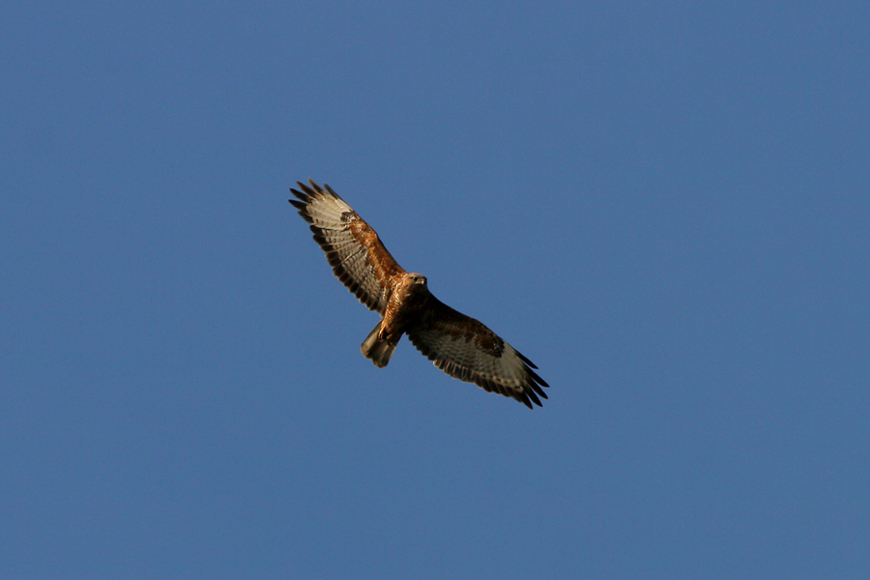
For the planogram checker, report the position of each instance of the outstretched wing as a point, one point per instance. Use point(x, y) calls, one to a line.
point(353, 248)
point(465, 349)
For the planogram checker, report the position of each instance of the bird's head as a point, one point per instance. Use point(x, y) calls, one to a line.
point(414, 282)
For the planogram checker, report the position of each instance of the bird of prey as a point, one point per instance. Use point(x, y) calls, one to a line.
point(457, 344)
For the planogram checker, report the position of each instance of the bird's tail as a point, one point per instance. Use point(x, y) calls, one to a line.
point(378, 349)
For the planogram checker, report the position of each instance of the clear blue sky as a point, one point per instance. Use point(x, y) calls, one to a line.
point(665, 205)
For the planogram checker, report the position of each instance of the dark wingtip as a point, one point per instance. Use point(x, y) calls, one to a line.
point(330, 190)
point(302, 196)
point(308, 190)
point(525, 360)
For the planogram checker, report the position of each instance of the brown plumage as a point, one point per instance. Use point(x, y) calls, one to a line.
point(459, 345)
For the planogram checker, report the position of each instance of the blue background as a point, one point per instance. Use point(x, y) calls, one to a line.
point(666, 206)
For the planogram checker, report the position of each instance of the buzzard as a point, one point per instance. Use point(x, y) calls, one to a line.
point(459, 345)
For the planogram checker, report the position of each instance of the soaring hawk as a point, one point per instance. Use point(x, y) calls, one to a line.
point(459, 345)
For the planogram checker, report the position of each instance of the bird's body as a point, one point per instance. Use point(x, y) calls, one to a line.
point(459, 345)
point(402, 312)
